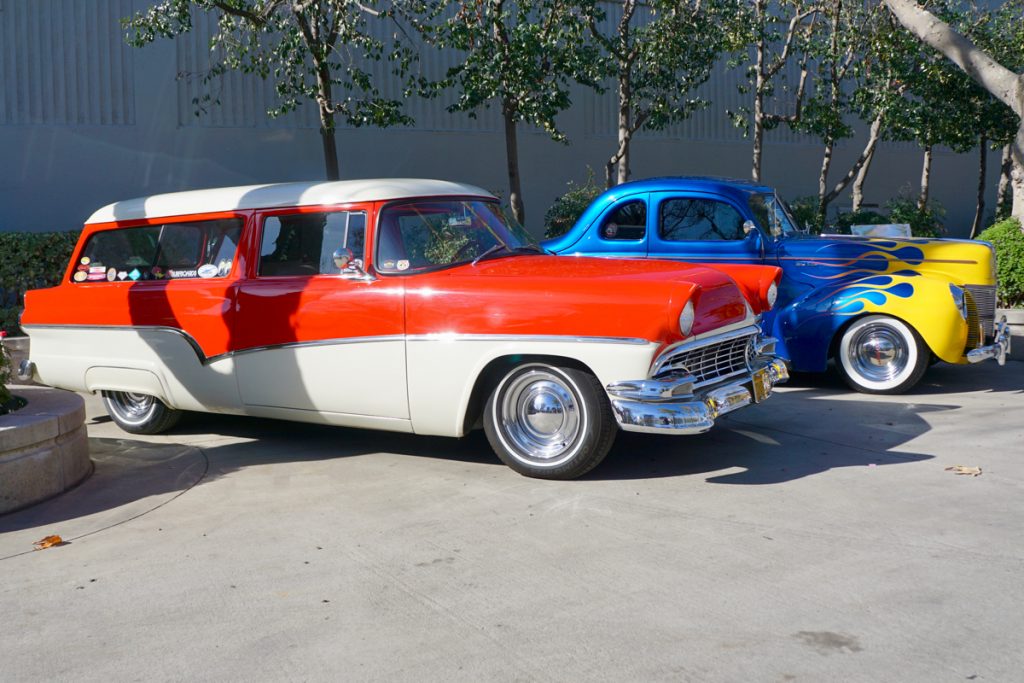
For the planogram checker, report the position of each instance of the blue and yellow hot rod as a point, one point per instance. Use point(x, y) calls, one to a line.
point(883, 309)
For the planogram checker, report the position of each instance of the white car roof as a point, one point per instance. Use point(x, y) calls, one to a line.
point(279, 195)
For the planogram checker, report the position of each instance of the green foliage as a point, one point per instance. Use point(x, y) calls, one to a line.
point(522, 55)
point(1008, 239)
point(805, 211)
point(30, 260)
point(923, 223)
point(567, 209)
point(321, 52)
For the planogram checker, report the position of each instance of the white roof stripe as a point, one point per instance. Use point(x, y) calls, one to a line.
point(279, 195)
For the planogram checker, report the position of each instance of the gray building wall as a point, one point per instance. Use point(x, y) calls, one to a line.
point(86, 120)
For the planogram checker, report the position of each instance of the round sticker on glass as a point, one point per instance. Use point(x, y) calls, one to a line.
point(80, 276)
point(402, 265)
point(207, 271)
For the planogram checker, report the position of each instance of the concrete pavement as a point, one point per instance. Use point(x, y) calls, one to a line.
point(814, 537)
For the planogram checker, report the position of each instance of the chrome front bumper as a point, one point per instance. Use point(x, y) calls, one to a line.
point(672, 406)
point(998, 349)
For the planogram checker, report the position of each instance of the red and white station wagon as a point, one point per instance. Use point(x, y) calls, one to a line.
point(404, 305)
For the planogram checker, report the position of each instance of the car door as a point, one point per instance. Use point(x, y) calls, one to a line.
point(702, 227)
point(311, 337)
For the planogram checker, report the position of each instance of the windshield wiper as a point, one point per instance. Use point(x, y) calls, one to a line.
point(490, 250)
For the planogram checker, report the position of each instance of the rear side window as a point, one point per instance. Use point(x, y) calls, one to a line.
point(305, 243)
point(200, 249)
point(627, 222)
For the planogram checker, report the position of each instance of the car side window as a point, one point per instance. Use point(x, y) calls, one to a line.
point(304, 243)
point(193, 249)
point(627, 222)
point(695, 219)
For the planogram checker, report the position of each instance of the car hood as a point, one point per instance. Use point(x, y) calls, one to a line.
point(960, 261)
point(573, 296)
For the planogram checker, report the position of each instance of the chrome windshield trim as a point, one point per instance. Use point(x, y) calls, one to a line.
point(699, 341)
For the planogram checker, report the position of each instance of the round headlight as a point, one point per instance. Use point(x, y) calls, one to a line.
point(686, 319)
point(772, 295)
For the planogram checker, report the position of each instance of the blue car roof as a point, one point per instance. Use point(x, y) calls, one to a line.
point(708, 183)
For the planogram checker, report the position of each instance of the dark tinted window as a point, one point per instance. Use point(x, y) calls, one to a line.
point(699, 219)
point(204, 249)
point(304, 244)
point(626, 222)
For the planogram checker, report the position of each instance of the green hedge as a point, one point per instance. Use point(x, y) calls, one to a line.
point(1008, 240)
point(30, 260)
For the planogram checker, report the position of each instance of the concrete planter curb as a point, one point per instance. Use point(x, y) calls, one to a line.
point(44, 449)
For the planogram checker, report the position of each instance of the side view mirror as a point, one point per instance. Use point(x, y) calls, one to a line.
point(342, 257)
point(748, 227)
point(351, 267)
point(752, 232)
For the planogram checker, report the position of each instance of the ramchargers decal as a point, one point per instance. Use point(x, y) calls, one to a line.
point(182, 273)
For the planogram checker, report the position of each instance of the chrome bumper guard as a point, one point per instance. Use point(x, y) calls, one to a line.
point(26, 370)
point(998, 349)
point(670, 405)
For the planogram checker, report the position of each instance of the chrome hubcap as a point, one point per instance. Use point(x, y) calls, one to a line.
point(540, 416)
point(131, 407)
point(878, 353)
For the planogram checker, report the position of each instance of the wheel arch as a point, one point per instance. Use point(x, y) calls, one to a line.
point(492, 373)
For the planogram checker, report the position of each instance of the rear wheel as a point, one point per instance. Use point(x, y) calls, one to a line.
point(139, 413)
point(549, 422)
point(878, 354)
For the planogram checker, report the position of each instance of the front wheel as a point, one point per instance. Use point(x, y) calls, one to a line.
point(878, 354)
point(139, 413)
point(549, 422)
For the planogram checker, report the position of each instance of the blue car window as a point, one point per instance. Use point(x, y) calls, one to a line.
point(627, 222)
point(695, 219)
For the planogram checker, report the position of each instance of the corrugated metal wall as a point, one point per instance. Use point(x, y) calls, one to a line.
point(65, 63)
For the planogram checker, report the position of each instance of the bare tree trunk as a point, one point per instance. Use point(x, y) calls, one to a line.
point(1004, 195)
point(625, 126)
point(823, 200)
point(979, 208)
point(1017, 174)
point(515, 190)
point(758, 115)
point(926, 175)
point(617, 168)
point(325, 102)
point(860, 166)
point(857, 192)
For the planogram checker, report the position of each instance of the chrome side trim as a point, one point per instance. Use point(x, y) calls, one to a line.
point(456, 336)
point(435, 337)
point(697, 342)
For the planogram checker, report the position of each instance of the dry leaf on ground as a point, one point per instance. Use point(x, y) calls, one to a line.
point(964, 469)
point(48, 542)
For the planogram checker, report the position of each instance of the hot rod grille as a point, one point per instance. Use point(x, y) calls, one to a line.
point(711, 362)
point(981, 307)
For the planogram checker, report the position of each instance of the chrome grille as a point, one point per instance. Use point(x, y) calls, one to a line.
point(711, 362)
point(981, 306)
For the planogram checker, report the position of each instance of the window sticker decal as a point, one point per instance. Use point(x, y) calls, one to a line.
point(207, 271)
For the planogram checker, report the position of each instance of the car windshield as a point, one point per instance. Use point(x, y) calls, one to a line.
point(430, 234)
point(773, 214)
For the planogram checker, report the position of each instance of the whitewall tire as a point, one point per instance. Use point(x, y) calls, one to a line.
point(139, 413)
point(549, 422)
point(879, 354)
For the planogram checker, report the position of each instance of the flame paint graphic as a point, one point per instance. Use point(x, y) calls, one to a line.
point(875, 290)
point(876, 257)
